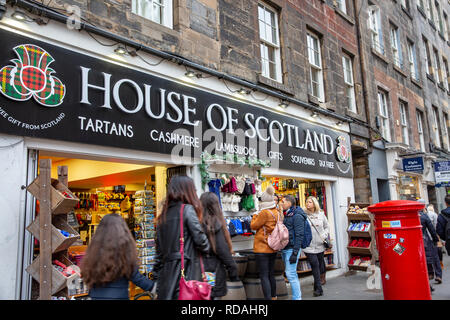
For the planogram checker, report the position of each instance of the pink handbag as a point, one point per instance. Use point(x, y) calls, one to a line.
point(191, 289)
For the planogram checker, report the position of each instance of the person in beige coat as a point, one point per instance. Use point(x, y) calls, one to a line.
point(315, 252)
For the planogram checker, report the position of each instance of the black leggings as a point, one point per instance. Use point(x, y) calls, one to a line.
point(318, 267)
point(266, 266)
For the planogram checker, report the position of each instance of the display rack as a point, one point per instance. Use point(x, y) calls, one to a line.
point(361, 240)
point(144, 217)
point(51, 267)
point(232, 202)
point(304, 268)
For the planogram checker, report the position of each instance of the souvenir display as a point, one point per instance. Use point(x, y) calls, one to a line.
point(144, 228)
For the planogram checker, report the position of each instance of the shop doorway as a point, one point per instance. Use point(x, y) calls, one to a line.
point(383, 190)
point(301, 189)
point(132, 190)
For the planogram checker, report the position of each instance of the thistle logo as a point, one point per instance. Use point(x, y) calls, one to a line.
point(342, 150)
point(32, 77)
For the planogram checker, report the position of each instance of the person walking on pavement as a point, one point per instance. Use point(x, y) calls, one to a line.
point(111, 261)
point(315, 251)
point(264, 222)
point(433, 217)
point(167, 268)
point(443, 226)
point(294, 220)
point(220, 259)
point(430, 239)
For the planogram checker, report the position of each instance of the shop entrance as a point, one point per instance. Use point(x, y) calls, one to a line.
point(301, 189)
point(133, 190)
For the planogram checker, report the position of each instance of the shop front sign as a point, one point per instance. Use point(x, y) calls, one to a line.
point(442, 173)
point(50, 92)
point(413, 164)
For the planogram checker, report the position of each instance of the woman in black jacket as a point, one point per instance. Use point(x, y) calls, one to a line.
point(111, 261)
point(167, 268)
point(220, 259)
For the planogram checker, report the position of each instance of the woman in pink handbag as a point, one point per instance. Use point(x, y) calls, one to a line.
point(181, 201)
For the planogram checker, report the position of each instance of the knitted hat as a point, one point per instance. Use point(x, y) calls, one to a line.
point(267, 199)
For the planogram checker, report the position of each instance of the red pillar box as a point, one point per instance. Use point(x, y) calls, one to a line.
point(401, 251)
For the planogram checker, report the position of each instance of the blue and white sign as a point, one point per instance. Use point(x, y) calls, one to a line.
point(413, 164)
point(442, 173)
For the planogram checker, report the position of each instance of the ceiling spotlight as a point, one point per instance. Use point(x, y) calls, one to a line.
point(190, 74)
point(243, 91)
point(283, 104)
point(19, 15)
point(120, 50)
point(314, 114)
point(339, 123)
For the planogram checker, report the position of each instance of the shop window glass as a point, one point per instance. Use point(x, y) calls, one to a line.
point(408, 188)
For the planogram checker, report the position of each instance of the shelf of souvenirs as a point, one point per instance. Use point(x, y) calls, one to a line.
point(328, 267)
point(303, 256)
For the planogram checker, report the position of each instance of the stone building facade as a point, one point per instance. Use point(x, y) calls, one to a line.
point(224, 35)
point(399, 96)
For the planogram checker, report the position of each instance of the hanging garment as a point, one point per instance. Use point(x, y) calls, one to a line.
point(248, 203)
point(231, 228)
point(214, 186)
point(235, 199)
point(240, 184)
point(238, 225)
point(247, 189)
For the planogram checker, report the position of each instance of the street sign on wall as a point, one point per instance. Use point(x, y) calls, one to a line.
point(442, 173)
point(413, 164)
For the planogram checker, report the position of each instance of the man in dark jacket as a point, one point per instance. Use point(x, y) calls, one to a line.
point(441, 225)
point(294, 220)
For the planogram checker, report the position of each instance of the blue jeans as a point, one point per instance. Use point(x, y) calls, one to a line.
point(291, 273)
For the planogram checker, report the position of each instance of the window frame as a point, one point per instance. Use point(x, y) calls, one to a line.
point(394, 35)
point(412, 60)
point(420, 131)
point(383, 110)
point(437, 66)
point(166, 17)
point(429, 10)
point(427, 56)
point(447, 132)
point(310, 36)
point(342, 5)
point(350, 83)
point(447, 73)
point(436, 127)
point(404, 120)
point(376, 30)
point(265, 43)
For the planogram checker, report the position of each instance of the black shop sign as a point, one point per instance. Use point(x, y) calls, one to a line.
point(50, 92)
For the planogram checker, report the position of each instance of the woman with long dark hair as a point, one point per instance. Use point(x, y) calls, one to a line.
point(220, 259)
point(111, 261)
point(167, 268)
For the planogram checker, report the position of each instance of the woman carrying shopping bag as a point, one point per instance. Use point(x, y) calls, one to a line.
point(315, 251)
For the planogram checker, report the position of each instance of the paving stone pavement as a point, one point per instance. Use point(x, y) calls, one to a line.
point(353, 287)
